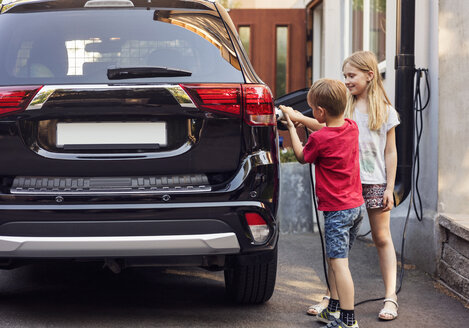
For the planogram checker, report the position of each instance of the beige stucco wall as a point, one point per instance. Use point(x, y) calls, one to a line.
point(453, 178)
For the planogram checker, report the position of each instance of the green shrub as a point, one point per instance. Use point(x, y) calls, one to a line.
point(287, 155)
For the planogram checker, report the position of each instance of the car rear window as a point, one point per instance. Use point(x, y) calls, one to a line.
point(79, 46)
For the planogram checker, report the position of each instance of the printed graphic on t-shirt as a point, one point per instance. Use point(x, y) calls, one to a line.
point(372, 145)
point(368, 159)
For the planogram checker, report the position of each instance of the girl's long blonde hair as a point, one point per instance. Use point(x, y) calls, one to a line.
point(378, 101)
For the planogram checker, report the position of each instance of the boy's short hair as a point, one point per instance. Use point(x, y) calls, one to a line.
point(330, 95)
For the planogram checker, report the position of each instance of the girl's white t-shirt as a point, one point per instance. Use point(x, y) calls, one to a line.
point(372, 145)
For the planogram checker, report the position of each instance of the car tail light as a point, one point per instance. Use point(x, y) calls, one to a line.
point(259, 229)
point(220, 97)
point(16, 99)
point(258, 105)
point(229, 98)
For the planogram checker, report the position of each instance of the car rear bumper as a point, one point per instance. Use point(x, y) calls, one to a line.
point(76, 247)
point(60, 225)
point(131, 230)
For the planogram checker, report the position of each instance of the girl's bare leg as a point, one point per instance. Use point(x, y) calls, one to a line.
point(381, 233)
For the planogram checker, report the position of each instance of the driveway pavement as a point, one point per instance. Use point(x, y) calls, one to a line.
point(84, 295)
point(422, 302)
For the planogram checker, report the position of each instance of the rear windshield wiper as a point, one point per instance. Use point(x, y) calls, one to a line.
point(140, 72)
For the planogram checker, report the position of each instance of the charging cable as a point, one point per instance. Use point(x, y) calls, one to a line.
point(418, 109)
point(313, 196)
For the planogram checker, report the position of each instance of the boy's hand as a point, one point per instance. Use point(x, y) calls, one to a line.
point(295, 140)
point(295, 116)
point(388, 200)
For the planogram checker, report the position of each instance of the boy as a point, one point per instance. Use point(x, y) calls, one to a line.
point(334, 151)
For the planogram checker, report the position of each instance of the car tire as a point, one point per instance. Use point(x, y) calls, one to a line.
point(252, 283)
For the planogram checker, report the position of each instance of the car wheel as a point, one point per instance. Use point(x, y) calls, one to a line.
point(252, 283)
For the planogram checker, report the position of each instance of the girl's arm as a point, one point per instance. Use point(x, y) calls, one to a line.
point(311, 123)
point(390, 159)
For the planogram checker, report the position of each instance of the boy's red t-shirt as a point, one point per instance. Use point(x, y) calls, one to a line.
point(334, 152)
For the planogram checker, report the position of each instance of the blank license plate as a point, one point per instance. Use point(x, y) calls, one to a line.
point(111, 133)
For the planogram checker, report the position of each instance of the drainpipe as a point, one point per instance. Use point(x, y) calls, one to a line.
point(405, 70)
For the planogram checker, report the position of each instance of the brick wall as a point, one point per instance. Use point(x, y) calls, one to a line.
point(453, 267)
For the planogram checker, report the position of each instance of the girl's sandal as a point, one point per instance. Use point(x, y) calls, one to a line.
point(387, 314)
point(319, 307)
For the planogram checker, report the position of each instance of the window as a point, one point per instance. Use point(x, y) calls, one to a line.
point(79, 46)
point(368, 27)
point(281, 61)
point(315, 44)
point(245, 37)
point(95, 52)
point(357, 25)
point(318, 42)
point(378, 28)
point(78, 56)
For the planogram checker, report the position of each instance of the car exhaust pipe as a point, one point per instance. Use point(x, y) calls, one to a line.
point(404, 101)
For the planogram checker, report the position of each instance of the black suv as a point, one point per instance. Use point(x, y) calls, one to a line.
point(137, 133)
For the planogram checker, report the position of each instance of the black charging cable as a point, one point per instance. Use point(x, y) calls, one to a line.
point(313, 196)
point(415, 192)
point(419, 108)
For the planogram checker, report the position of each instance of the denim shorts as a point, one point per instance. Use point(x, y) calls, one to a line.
point(341, 229)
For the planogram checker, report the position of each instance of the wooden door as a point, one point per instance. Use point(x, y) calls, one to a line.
point(266, 29)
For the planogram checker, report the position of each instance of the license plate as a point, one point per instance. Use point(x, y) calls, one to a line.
point(111, 133)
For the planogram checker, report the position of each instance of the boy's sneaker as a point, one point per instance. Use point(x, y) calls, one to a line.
point(337, 323)
point(326, 316)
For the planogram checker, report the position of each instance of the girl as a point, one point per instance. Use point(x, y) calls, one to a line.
point(370, 107)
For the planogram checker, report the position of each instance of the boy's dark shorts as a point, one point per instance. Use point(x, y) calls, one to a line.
point(341, 229)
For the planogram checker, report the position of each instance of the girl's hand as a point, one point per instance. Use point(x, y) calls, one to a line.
point(289, 123)
point(388, 200)
point(298, 125)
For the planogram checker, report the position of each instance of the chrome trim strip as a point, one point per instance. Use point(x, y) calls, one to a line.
point(121, 157)
point(41, 97)
point(181, 97)
point(257, 159)
point(203, 244)
point(85, 207)
point(46, 91)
